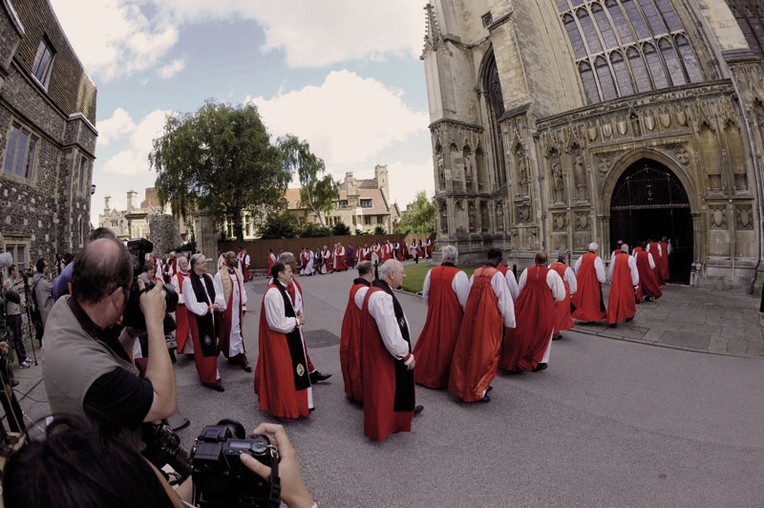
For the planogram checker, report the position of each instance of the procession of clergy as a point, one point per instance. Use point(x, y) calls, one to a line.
point(340, 258)
point(473, 327)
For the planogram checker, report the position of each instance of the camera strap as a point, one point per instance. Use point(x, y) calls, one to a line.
point(274, 500)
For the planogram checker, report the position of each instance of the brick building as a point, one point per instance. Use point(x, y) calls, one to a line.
point(47, 135)
point(560, 122)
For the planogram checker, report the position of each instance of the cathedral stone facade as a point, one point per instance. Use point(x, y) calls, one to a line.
point(556, 123)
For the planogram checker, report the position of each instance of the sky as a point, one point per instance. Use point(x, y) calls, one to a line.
point(343, 75)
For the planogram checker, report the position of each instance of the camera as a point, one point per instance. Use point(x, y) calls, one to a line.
point(133, 316)
point(221, 480)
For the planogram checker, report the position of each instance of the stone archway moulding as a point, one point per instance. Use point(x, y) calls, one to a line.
point(622, 164)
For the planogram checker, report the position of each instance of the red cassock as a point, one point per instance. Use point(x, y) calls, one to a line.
point(206, 366)
point(350, 347)
point(379, 382)
point(291, 290)
point(435, 347)
point(648, 285)
point(588, 298)
point(525, 344)
point(622, 303)
point(181, 317)
point(271, 262)
point(339, 256)
point(274, 379)
point(658, 262)
point(664, 261)
point(562, 318)
point(476, 353)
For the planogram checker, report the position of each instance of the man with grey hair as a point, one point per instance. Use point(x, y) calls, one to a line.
point(182, 333)
point(624, 277)
point(386, 358)
point(445, 292)
point(590, 275)
point(350, 336)
point(295, 293)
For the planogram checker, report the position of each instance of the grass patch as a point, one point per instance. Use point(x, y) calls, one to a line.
point(415, 274)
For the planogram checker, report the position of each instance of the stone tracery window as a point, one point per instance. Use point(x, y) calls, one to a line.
point(624, 47)
point(495, 106)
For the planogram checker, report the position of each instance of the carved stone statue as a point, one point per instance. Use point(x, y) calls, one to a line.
point(441, 170)
point(472, 214)
point(558, 183)
point(579, 172)
point(522, 172)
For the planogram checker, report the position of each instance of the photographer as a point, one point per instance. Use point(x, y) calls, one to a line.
point(77, 466)
point(86, 363)
point(13, 311)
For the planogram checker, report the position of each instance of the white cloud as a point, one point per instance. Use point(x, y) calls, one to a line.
point(120, 42)
point(133, 158)
point(346, 120)
point(129, 37)
point(316, 34)
point(172, 68)
point(407, 180)
point(112, 128)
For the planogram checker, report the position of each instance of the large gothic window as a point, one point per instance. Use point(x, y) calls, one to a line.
point(623, 47)
point(495, 105)
point(750, 17)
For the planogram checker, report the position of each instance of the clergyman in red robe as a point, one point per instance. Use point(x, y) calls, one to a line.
point(351, 334)
point(488, 310)
point(389, 400)
point(563, 319)
point(656, 250)
point(590, 275)
point(282, 383)
point(648, 285)
point(624, 279)
point(445, 292)
point(527, 346)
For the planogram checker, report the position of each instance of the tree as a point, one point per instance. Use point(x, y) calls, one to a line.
point(281, 225)
point(380, 230)
point(419, 216)
point(341, 229)
point(316, 192)
point(218, 159)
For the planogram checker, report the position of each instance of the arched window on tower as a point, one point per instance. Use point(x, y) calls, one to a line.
point(652, 50)
point(590, 84)
point(673, 63)
point(655, 65)
point(622, 74)
point(495, 106)
point(606, 78)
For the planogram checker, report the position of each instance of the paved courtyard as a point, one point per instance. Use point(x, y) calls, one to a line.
point(610, 423)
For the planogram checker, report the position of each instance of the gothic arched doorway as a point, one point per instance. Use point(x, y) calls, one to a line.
point(649, 201)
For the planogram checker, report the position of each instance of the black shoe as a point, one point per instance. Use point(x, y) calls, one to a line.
point(485, 398)
point(418, 409)
point(557, 336)
point(316, 377)
point(514, 372)
point(247, 367)
point(489, 389)
point(312, 409)
point(629, 319)
point(613, 325)
point(540, 367)
point(218, 387)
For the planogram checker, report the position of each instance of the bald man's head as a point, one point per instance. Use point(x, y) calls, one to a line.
point(100, 268)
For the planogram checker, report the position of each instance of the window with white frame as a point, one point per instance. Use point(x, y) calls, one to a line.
point(43, 62)
point(19, 249)
point(366, 203)
point(21, 151)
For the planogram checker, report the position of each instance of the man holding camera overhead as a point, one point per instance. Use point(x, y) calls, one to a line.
point(86, 361)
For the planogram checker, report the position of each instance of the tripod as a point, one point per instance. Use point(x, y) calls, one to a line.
point(33, 316)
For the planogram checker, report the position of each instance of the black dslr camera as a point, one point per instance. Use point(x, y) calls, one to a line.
point(133, 316)
point(221, 480)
